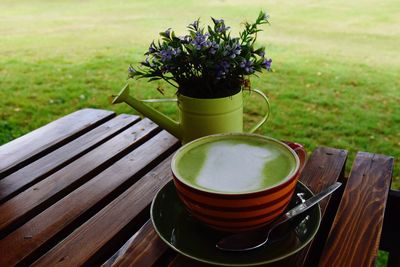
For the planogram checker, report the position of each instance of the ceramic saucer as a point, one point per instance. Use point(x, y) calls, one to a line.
point(186, 235)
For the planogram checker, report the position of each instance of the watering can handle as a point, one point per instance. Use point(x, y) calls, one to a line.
point(266, 116)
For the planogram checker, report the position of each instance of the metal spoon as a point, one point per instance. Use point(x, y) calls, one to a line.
point(254, 239)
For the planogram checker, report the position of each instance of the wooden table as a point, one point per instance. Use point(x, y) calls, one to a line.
point(77, 192)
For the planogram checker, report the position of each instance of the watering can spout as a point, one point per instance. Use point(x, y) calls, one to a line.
point(122, 95)
point(161, 119)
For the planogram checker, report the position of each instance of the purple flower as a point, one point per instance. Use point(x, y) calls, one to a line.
point(222, 69)
point(225, 65)
point(222, 28)
point(147, 63)
point(232, 51)
point(167, 68)
point(266, 64)
point(177, 51)
point(200, 41)
point(169, 52)
point(247, 65)
point(261, 53)
point(152, 48)
point(217, 21)
point(194, 25)
point(166, 54)
point(220, 25)
point(265, 17)
point(214, 47)
point(168, 32)
point(131, 70)
point(236, 49)
point(185, 39)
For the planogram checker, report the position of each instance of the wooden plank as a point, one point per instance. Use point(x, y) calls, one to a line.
point(144, 249)
point(88, 240)
point(355, 234)
point(324, 167)
point(44, 193)
point(26, 148)
point(26, 176)
point(93, 195)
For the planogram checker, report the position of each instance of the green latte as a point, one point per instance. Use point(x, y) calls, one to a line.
point(235, 164)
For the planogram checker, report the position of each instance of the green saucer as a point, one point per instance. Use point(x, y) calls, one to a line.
point(186, 235)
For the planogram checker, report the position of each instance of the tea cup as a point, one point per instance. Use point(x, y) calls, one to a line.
point(237, 182)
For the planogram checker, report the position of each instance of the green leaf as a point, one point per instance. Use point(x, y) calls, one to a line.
point(154, 79)
point(210, 31)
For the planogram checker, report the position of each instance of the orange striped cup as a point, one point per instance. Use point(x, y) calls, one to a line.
point(237, 182)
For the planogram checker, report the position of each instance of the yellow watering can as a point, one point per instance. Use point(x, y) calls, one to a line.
point(197, 116)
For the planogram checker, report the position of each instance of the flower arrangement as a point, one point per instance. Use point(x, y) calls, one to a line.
point(206, 64)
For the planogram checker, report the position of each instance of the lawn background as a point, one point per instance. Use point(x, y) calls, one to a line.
point(336, 64)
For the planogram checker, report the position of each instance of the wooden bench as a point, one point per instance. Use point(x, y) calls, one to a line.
point(77, 192)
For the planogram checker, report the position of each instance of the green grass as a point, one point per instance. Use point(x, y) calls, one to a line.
point(336, 79)
point(336, 64)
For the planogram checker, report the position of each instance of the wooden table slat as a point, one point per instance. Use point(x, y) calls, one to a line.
point(86, 241)
point(22, 178)
point(325, 166)
point(354, 236)
point(62, 214)
point(144, 249)
point(28, 147)
point(60, 183)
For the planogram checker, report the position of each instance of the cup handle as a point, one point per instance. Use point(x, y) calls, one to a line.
point(300, 151)
point(266, 116)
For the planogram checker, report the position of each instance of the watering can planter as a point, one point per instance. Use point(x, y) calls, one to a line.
point(197, 116)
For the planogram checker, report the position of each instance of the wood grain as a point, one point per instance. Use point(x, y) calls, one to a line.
point(60, 183)
point(62, 214)
point(87, 240)
point(22, 178)
point(25, 149)
point(325, 166)
point(354, 237)
point(144, 249)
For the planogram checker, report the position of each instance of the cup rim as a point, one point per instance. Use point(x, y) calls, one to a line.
point(287, 179)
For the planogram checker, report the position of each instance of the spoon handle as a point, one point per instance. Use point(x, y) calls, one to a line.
point(308, 203)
